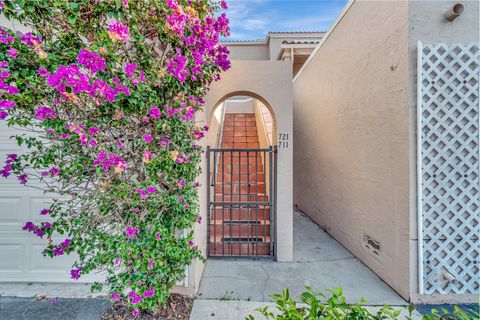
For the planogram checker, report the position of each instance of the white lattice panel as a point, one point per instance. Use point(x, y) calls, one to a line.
point(448, 168)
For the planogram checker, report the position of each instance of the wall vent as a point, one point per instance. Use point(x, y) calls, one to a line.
point(372, 244)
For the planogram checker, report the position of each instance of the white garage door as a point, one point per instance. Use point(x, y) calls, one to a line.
point(21, 256)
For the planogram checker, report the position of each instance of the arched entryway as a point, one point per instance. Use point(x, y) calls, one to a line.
point(241, 167)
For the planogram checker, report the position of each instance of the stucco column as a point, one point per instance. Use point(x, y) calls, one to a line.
point(271, 83)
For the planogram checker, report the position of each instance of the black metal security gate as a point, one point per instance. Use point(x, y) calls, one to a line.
point(241, 202)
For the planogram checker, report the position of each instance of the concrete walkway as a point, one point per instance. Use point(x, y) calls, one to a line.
point(238, 310)
point(319, 262)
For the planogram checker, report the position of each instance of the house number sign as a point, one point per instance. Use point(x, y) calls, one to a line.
point(283, 140)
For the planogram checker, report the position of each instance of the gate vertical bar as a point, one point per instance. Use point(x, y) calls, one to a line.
point(208, 201)
point(264, 207)
point(274, 214)
point(257, 207)
point(247, 182)
point(215, 172)
point(419, 170)
point(271, 197)
point(222, 209)
point(240, 200)
point(230, 235)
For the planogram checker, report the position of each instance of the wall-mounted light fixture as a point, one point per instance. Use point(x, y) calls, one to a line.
point(454, 12)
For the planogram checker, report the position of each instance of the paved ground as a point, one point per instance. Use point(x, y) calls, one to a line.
point(61, 309)
point(319, 261)
point(59, 290)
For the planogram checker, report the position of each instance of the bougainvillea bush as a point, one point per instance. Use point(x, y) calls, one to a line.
point(105, 94)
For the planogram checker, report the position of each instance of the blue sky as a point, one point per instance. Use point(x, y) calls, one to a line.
point(252, 19)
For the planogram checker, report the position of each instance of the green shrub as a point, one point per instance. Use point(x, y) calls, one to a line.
point(316, 305)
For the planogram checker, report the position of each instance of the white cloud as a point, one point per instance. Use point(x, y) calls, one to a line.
point(246, 20)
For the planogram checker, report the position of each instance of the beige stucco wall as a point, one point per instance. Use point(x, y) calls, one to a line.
point(427, 24)
point(270, 82)
point(240, 51)
point(245, 105)
point(351, 120)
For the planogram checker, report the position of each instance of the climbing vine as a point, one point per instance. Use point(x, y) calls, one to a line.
point(105, 94)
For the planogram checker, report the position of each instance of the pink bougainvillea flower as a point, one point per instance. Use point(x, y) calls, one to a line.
point(115, 296)
point(198, 134)
point(12, 52)
point(31, 40)
point(149, 293)
point(3, 114)
point(155, 112)
point(22, 178)
point(76, 128)
point(130, 69)
point(5, 37)
point(142, 193)
point(43, 72)
point(181, 183)
point(147, 138)
point(64, 136)
point(131, 232)
point(150, 263)
point(151, 189)
point(119, 31)
point(136, 299)
point(5, 172)
point(135, 313)
point(223, 4)
point(157, 236)
point(93, 130)
point(91, 61)
point(110, 160)
point(58, 251)
point(172, 4)
point(75, 273)
point(83, 139)
point(44, 112)
point(66, 243)
point(177, 67)
point(54, 171)
point(5, 104)
point(44, 212)
point(29, 226)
